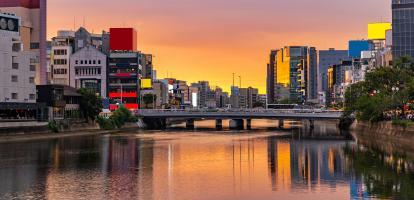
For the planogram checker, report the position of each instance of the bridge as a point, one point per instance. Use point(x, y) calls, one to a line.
point(157, 118)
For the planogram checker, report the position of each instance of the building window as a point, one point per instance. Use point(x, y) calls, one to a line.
point(60, 61)
point(31, 80)
point(99, 61)
point(90, 62)
point(34, 45)
point(32, 68)
point(14, 79)
point(81, 62)
point(76, 62)
point(14, 96)
point(15, 65)
point(94, 62)
point(32, 96)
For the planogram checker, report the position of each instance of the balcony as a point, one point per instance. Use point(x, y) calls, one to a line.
point(123, 75)
point(123, 95)
point(123, 84)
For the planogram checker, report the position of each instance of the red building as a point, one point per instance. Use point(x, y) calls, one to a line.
point(124, 70)
point(20, 3)
point(123, 39)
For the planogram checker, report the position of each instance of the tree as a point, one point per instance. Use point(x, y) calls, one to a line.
point(90, 104)
point(117, 119)
point(258, 104)
point(149, 99)
point(384, 89)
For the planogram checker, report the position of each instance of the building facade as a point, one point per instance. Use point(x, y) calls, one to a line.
point(123, 80)
point(17, 71)
point(32, 29)
point(124, 70)
point(402, 22)
point(88, 70)
point(271, 77)
point(62, 49)
point(296, 69)
point(328, 58)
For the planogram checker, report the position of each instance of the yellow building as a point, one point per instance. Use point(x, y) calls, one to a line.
point(376, 31)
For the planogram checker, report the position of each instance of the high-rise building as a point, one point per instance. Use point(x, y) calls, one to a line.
point(402, 23)
point(204, 90)
point(328, 58)
point(271, 77)
point(32, 29)
point(248, 97)
point(296, 69)
point(17, 72)
point(124, 71)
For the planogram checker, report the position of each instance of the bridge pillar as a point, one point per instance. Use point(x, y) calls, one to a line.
point(281, 123)
point(236, 124)
point(190, 124)
point(248, 124)
point(155, 123)
point(312, 124)
point(219, 124)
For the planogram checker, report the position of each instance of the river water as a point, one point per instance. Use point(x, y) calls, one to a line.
point(177, 164)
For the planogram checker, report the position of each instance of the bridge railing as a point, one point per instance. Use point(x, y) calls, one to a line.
point(315, 111)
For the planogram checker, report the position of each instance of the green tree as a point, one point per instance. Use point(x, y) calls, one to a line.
point(149, 99)
point(117, 120)
point(90, 104)
point(384, 89)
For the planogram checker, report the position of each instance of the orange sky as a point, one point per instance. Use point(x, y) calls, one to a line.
point(209, 40)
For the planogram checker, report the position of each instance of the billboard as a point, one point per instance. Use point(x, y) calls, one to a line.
point(9, 23)
point(146, 83)
point(376, 31)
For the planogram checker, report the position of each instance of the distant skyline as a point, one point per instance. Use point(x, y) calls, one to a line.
point(196, 40)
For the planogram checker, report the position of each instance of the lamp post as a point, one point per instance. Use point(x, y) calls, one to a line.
point(394, 91)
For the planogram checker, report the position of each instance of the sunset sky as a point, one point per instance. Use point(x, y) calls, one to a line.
point(210, 39)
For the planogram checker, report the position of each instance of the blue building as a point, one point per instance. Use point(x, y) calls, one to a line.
point(357, 46)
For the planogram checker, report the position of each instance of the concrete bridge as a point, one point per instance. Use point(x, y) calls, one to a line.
point(156, 119)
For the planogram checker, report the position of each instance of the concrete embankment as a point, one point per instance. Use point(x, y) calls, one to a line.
point(26, 131)
point(385, 136)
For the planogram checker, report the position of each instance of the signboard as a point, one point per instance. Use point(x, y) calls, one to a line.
point(9, 23)
point(146, 83)
point(377, 31)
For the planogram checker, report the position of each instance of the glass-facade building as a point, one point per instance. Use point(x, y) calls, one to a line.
point(403, 28)
point(296, 69)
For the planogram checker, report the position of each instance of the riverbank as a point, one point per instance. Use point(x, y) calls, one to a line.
point(386, 137)
point(41, 132)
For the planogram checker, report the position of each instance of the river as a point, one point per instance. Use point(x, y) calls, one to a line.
point(177, 164)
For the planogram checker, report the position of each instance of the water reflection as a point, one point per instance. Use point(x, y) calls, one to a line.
point(203, 165)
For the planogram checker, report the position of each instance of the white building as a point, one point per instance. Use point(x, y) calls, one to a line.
point(17, 67)
point(88, 70)
point(62, 48)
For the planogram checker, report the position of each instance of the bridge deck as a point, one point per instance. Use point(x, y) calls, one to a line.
point(248, 114)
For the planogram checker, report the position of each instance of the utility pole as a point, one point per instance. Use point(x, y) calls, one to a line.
point(233, 80)
point(240, 82)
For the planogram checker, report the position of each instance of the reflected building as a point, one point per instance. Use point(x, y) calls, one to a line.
point(302, 165)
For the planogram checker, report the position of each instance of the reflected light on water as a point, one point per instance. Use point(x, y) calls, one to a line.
point(183, 165)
